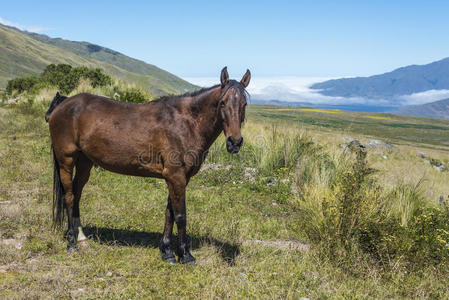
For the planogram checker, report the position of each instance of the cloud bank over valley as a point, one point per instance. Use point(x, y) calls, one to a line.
point(297, 89)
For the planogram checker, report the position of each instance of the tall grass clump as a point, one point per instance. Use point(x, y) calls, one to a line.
point(268, 149)
point(346, 213)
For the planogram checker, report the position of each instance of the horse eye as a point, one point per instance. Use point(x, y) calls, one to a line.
point(222, 103)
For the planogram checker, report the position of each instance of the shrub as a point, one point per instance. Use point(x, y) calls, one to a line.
point(131, 95)
point(63, 76)
point(352, 214)
point(21, 84)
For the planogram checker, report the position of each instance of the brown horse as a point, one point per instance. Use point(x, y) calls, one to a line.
point(166, 138)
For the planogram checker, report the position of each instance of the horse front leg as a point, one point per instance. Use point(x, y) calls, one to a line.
point(165, 246)
point(177, 191)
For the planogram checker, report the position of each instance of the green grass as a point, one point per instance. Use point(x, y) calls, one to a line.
point(398, 129)
point(124, 218)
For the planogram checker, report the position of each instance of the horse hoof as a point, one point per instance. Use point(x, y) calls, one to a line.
point(187, 259)
point(71, 249)
point(83, 243)
point(171, 260)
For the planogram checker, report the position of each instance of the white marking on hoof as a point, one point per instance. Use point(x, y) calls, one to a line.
point(81, 236)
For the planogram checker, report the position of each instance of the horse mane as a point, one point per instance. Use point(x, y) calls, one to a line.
point(231, 84)
point(188, 94)
point(56, 101)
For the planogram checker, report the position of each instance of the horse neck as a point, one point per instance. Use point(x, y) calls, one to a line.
point(204, 107)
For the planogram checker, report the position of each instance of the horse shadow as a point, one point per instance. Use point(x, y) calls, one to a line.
point(134, 238)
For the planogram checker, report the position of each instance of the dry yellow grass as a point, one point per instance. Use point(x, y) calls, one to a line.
point(378, 117)
point(327, 111)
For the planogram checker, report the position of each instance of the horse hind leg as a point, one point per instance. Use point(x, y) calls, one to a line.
point(83, 167)
point(65, 171)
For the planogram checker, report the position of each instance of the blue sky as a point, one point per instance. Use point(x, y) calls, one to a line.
point(272, 38)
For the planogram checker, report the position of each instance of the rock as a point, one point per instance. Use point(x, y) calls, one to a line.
point(77, 293)
point(356, 146)
point(250, 174)
point(435, 162)
point(281, 244)
point(381, 154)
point(422, 155)
point(440, 168)
point(14, 100)
point(12, 242)
point(109, 274)
point(376, 144)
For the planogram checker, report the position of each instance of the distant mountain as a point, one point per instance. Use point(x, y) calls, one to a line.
point(438, 109)
point(391, 85)
point(24, 54)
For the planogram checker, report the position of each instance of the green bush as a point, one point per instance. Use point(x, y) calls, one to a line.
point(131, 95)
point(21, 84)
point(63, 76)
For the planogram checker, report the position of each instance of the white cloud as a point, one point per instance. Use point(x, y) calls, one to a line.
point(425, 97)
point(30, 28)
point(297, 89)
point(293, 89)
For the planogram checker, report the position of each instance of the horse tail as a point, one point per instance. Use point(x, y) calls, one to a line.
point(56, 101)
point(58, 193)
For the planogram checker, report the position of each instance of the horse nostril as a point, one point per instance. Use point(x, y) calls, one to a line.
point(239, 142)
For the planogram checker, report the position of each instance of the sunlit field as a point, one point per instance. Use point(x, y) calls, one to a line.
point(295, 214)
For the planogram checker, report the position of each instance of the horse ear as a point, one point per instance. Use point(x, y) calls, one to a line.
point(246, 78)
point(224, 78)
point(57, 94)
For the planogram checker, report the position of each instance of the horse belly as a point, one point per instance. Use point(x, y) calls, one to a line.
point(120, 157)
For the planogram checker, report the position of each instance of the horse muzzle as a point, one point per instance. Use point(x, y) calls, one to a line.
point(233, 145)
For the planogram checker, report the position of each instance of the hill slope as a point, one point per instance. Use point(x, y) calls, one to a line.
point(438, 109)
point(24, 54)
point(402, 81)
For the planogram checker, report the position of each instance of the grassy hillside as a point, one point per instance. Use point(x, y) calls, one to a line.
point(263, 223)
point(25, 54)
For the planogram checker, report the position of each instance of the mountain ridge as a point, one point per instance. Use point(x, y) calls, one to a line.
point(390, 85)
point(25, 53)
